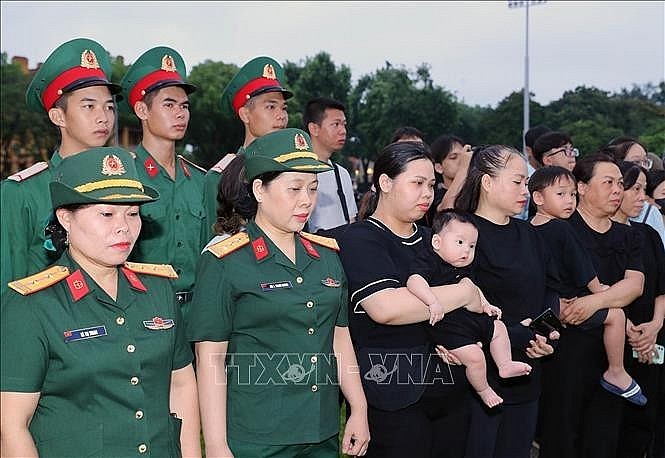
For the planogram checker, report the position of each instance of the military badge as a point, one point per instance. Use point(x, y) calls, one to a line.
point(112, 165)
point(77, 285)
point(300, 142)
point(331, 283)
point(269, 72)
point(89, 60)
point(168, 64)
point(158, 324)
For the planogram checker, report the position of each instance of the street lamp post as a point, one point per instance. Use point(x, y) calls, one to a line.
point(527, 95)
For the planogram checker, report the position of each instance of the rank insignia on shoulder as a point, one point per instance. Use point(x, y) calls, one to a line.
point(223, 163)
point(229, 245)
point(85, 333)
point(39, 281)
point(331, 282)
point(157, 323)
point(320, 240)
point(188, 162)
point(31, 171)
point(158, 270)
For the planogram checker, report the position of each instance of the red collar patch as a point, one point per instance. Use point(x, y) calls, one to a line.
point(309, 248)
point(151, 167)
point(184, 168)
point(77, 285)
point(133, 280)
point(260, 248)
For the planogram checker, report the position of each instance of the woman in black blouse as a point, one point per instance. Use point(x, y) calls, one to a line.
point(511, 271)
point(415, 402)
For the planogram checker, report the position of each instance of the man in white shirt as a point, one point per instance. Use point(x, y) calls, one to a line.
point(325, 121)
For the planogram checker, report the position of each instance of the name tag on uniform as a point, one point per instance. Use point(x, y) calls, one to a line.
point(276, 285)
point(85, 333)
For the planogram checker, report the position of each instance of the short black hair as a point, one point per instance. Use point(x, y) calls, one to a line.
point(406, 131)
point(533, 134)
point(549, 141)
point(444, 217)
point(443, 145)
point(547, 176)
point(316, 108)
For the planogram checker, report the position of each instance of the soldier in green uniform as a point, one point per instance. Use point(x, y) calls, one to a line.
point(268, 317)
point(255, 94)
point(156, 90)
point(94, 357)
point(73, 87)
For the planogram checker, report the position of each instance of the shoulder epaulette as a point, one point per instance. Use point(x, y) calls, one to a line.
point(196, 166)
point(31, 171)
point(223, 163)
point(229, 245)
point(159, 270)
point(39, 281)
point(321, 240)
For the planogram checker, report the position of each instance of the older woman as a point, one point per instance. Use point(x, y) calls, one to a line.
point(416, 403)
point(94, 360)
point(576, 402)
point(645, 321)
point(269, 317)
point(511, 271)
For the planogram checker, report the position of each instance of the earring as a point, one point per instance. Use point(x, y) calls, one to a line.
point(66, 238)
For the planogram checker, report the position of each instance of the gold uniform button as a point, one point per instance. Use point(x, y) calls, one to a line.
point(315, 388)
point(309, 304)
point(299, 280)
point(139, 414)
point(134, 380)
point(120, 320)
point(143, 448)
point(131, 348)
point(313, 359)
point(310, 331)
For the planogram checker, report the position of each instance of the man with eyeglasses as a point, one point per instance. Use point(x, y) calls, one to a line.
point(556, 148)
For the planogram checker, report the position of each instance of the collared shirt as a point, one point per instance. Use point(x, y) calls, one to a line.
point(328, 212)
point(279, 320)
point(172, 231)
point(102, 367)
point(26, 209)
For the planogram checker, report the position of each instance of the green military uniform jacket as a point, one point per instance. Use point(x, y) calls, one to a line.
point(26, 208)
point(210, 193)
point(173, 227)
point(279, 320)
point(103, 367)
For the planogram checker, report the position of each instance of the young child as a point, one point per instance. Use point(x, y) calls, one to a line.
point(454, 237)
point(553, 192)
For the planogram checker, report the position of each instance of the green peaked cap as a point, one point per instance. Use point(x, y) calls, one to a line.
point(155, 69)
point(285, 150)
point(73, 65)
point(104, 175)
point(258, 76)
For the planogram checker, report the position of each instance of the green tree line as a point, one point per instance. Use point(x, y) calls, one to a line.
point(390, 97)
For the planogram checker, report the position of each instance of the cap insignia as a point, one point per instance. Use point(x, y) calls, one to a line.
point(300, 142)
point(269, 72)
point(88, 59)
point(112, 165)
point(168, 65)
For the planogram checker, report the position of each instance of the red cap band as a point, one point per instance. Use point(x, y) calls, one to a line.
point(150, 80)
point(54, 90)
point(243, 94)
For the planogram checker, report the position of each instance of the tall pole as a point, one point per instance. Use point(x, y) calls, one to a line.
point(527, 95)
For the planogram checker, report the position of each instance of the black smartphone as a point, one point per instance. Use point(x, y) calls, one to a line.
point(545, 323)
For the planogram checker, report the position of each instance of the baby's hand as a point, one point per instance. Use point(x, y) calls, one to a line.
point(435, 313)
point(604, 287)
point(492, 310)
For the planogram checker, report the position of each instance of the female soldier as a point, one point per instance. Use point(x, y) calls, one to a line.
point(574, 405)
point(511, 271)
point(268, 313)
point(645, 321)
point(416, 404)
point(94, 359)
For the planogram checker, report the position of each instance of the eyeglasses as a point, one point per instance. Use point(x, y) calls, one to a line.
point(646, 163)
point(570, 152)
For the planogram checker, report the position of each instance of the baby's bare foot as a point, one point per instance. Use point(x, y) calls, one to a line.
point(489, 397)
point(514, 369)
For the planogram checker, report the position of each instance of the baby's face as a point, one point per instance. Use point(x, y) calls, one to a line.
point(456, 243)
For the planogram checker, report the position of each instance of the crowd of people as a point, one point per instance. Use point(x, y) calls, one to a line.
point(477, 302)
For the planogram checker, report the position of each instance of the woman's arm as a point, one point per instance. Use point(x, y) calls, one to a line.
point(15, 417)
point(357, 429)
point(211, 381)
point(185, 404)
point(449, 197)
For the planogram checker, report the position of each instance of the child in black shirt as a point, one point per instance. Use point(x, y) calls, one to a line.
point(453, 241)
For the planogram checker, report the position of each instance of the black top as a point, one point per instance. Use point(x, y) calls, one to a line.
point(653, 258)
point(511, 267)
point(393, 358)
point(435, 270)
point(572, 265)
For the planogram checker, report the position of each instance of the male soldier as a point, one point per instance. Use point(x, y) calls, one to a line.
point(325, 121)
point(156, 90)
point(255, 94)
point(73, 87)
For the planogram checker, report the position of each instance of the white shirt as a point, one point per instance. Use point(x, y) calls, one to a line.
point(328, 212)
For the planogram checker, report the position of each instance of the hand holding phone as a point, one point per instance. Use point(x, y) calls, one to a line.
point(658, 356)
point(545, 323)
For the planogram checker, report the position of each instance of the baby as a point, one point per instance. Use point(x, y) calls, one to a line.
point(454, 240)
